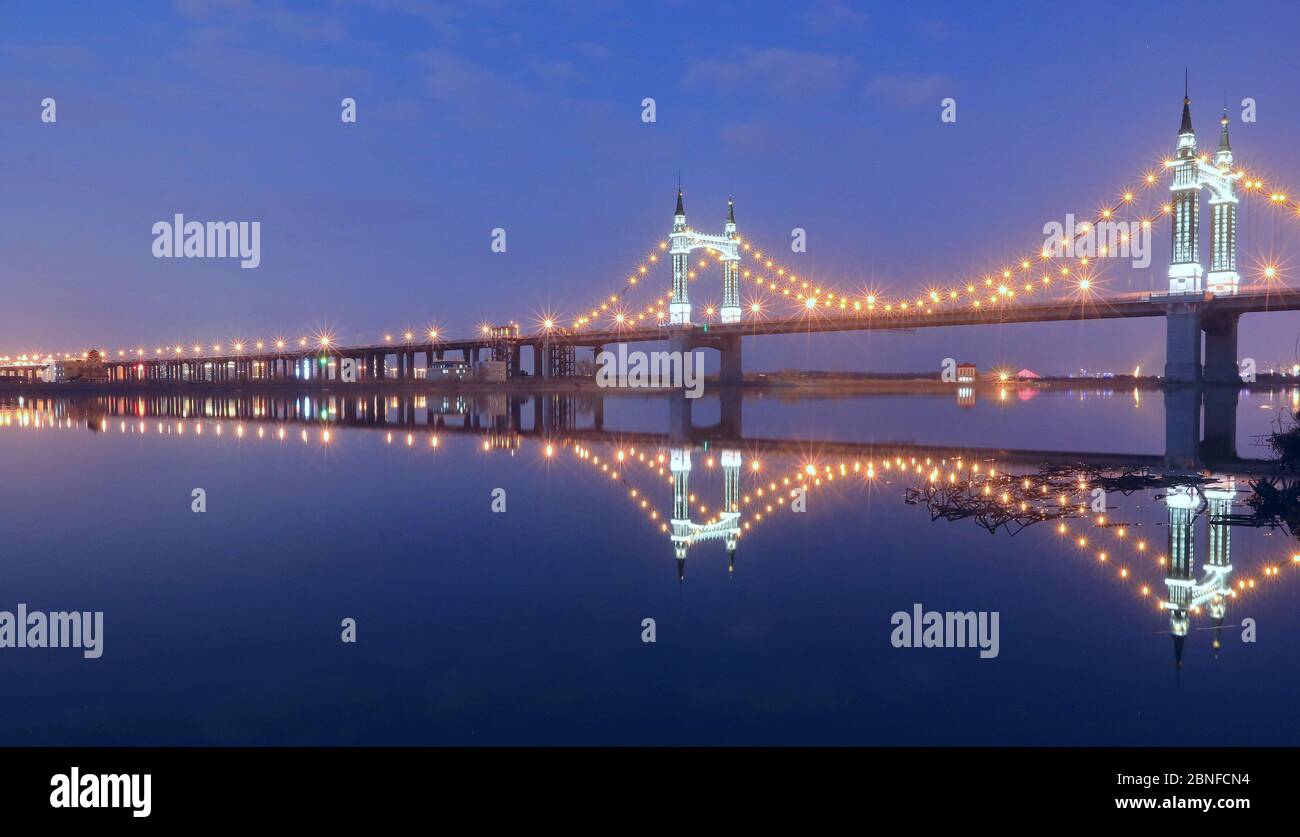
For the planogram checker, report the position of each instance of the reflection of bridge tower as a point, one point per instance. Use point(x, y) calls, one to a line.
point(1184, 503)
point(1191, 174)
point(682, 241)
point(1185, 593)
point(725, 526)
point(1218, 560)
point(679, 463)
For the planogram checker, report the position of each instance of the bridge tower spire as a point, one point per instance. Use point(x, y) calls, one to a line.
point(1185, 271)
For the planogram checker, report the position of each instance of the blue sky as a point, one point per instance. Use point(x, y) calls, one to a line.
point(526, 116)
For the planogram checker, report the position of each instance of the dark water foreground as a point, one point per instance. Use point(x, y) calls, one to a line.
point(475, 625)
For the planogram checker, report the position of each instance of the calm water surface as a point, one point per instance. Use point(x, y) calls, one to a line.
point(524, 627)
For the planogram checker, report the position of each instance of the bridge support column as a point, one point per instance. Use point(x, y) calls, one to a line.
point(1183, 344)
point(1221, 348)
point(732, 371)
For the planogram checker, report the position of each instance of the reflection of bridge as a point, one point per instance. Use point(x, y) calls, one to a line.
point(1194, 303)
point(499, 421)
point(548, 415)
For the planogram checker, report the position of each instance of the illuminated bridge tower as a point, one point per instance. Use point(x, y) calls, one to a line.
point(681, 242)
point(1223, 278)
point(1185, 269)
point(1186, 316)
point(730, 312)
point(1191, 174)
point(679, 309)
point(1183, 504)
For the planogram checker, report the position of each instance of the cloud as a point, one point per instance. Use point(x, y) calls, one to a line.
point(455, 80)
point(553, 70)
point(936, 30)
point(783, 72)
point(832, 16)
point(758, 138)
point(59, 56)
point(907, 90)
point(593, 51)
point(302, 26)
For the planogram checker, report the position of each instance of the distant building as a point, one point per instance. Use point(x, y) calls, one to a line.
point(491, 371)
point(89, 368)
point(966, 373)
point(1027, 375)
point(447, 370)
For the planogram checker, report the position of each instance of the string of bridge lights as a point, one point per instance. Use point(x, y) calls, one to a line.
point(1024, 276)
point(1002, 287)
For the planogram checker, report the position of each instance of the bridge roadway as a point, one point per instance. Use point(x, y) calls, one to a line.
point(554, 417)
point(1187, 316)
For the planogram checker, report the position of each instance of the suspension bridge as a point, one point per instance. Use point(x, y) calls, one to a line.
point(1053, 283)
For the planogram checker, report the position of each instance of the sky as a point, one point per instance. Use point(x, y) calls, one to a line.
point(527, 117)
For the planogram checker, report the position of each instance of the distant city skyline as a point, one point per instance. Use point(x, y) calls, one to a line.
point(529, 119)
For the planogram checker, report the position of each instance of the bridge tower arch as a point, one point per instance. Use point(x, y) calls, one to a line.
point(1193, 172)
point(682, 241)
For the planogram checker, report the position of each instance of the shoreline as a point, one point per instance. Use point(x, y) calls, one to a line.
point(816, 385)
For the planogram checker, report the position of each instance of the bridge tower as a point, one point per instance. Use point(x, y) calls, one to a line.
point(1191, 174)
point(679, 309)
point(1185, 262)
point(730, 312)
point(1223, 278)
point(727, 245)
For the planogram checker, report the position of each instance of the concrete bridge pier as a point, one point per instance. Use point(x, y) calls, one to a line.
point(1221, 348)
point(732, 370)
point(1183, 343)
